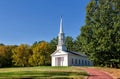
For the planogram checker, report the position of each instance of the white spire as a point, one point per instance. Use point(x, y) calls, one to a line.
point(61, 38)
point(61, 25)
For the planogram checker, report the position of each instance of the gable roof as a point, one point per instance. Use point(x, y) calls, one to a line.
point(63, 52)
point(76, 53)
point(69, 52)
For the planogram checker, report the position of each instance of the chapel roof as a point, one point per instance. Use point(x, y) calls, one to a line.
point(76, 53)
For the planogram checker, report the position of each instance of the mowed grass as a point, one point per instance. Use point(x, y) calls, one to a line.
point(112, 71)
point(43, 72)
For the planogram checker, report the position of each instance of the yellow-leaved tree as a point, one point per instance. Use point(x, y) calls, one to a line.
point(41, 54)
point(21, 55)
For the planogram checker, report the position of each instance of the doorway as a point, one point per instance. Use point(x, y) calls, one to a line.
point(59, 61)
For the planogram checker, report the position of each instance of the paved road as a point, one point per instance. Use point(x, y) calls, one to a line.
point(96, 74)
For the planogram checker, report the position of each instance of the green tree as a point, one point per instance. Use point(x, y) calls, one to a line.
point(77, 45)
point(100, 36)
point(21, 55)
point(69, 43)
point(53, 44)
point(1, 44)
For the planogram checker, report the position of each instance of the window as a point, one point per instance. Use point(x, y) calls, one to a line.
point(72, 61)
point(88, 63)
point(85, 62)
point(75, 61)
point(82, 62)
point(79, 61)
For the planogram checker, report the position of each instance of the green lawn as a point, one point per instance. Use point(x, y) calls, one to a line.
point(43, 72)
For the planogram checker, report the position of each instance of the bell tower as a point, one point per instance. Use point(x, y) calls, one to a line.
point(61, 38)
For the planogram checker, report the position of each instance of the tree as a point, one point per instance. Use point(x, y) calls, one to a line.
point(100, 35)
point(1, 44)
point(69, 43)
point(21, 55)
point(77, 45)
point(41, 54)
point(6, 56)
point(2, 56)
point(53, 44)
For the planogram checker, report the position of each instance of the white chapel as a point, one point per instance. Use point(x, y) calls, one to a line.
point(63, 57)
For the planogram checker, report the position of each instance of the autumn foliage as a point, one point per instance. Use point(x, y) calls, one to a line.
point(24, 55)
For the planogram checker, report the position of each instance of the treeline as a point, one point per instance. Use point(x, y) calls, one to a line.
point(37, 54)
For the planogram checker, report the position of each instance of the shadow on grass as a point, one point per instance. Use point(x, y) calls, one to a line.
point(42, 75)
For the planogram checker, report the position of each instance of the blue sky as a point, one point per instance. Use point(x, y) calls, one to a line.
point(27, 21)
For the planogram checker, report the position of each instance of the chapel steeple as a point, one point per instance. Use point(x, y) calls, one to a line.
point(61, 26)
point(61, 38)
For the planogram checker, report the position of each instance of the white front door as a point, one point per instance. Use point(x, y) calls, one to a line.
point(59, 61)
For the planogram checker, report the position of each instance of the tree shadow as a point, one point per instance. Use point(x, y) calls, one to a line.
point(46, 75)
point(91, 76)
